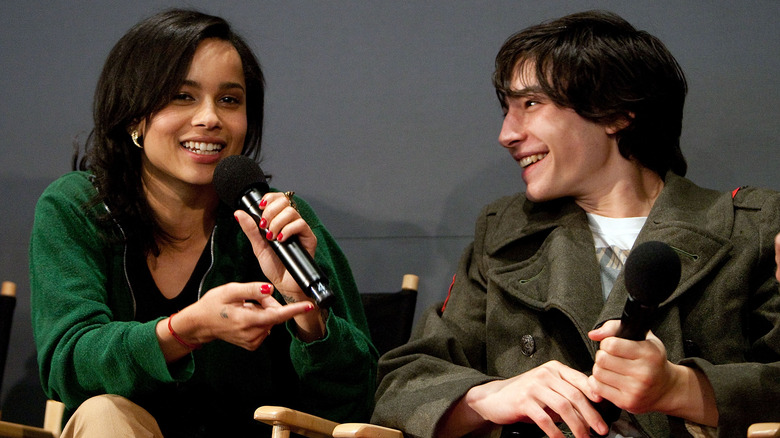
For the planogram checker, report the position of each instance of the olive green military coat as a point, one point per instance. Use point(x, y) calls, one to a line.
point(528, 291)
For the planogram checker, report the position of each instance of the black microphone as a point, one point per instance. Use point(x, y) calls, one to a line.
point(241, 184)
point(651, 273)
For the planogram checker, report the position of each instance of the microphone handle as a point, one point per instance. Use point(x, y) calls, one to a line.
point(635, 320)
point(294, 257)
point(634, 325)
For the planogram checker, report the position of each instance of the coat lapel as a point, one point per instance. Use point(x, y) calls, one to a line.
point(695, 222)
point(560, 272)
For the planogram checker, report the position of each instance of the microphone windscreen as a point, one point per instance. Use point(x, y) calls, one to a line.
point(652, 271)
point(235, 175)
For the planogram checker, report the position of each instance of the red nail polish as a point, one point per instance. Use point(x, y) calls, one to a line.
point(310, 308)
point(280, 237)
point(263, 203)
point(236, 216)
point(266, 289)
point(262, 223)
point(269, 235)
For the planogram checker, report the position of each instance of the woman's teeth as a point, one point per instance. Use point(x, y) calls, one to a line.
point(202, 148)
point(531, 159)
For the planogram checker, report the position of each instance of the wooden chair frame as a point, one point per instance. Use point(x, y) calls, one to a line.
point(285, 421)
point(764, 430)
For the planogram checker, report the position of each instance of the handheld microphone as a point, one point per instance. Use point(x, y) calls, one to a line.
point(651, 272)
point(241, 184)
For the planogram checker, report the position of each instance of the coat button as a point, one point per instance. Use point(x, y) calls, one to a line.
point(527, 345)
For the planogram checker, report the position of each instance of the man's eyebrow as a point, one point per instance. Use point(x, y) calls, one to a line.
point(533, 90)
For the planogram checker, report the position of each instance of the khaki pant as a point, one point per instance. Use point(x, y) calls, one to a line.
point(111, 415)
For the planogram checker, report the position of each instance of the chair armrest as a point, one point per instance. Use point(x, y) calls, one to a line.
point(52, 424)
point(52, 417)
point(290, 420)
point(363, 430)
point(13, 430)
point(764, 430)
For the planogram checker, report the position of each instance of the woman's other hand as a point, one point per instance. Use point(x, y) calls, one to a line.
point(242, 314)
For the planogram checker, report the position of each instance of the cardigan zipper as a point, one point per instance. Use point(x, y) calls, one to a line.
point(211, 261)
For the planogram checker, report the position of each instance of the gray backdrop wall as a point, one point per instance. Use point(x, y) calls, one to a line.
point(380, 113)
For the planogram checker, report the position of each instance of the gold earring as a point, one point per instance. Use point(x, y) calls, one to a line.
point(134, 136)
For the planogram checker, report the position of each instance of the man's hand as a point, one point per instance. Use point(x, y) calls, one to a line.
point(545, 395)
point(636, 376)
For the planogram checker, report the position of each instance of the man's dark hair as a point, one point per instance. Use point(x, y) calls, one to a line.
point(599, 65)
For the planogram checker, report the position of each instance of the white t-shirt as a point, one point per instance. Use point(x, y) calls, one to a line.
point(614, 238)
point(610, 231)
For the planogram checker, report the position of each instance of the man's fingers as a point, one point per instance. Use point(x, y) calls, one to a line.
point(581, 415)
point(608, 329)
point(777, 256)
point(543, 420)
point(574, 406)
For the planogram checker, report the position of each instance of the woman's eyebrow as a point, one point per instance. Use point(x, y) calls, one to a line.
point(222, 86)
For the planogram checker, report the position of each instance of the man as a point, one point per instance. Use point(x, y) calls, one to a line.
point(593, 115)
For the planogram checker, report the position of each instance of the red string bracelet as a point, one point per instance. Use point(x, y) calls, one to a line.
point(181, 341)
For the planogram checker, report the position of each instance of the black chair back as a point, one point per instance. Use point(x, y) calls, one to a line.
point(7, 305)
point(391, 315)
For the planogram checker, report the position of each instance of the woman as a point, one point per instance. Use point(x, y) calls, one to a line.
point(154, 306)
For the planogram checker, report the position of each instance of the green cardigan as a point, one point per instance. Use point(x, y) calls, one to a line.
point(88, 343)
point(528, 291)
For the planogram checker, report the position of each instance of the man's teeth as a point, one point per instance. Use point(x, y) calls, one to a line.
point(531, 159)
point(202, 148)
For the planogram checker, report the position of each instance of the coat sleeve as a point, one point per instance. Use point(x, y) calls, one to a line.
point(748, 391)
point(421, 380)
point(338, 372)
point(83, 349)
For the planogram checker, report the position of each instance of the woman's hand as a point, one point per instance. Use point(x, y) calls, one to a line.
point(545, 395)
point(239, 313)
point(637, 377)
point(280, 221)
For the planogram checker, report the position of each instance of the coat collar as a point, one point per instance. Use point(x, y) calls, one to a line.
point(695, 222)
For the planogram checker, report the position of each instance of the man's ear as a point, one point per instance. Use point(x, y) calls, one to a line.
point(620, 124)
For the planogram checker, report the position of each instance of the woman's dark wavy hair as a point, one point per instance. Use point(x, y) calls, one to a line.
point(599, 65)
point(142, 73)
